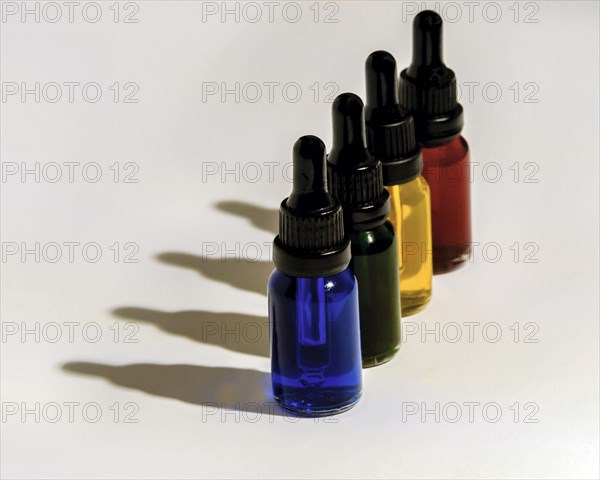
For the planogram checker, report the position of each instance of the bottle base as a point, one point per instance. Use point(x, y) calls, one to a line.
point(444, 263)
point(414, 303)
point(319, 402)
point(377, 360)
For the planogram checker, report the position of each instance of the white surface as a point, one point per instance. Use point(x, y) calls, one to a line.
point(170, 133)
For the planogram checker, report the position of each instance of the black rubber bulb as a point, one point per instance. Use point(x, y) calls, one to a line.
point(349, 147)
point(381, 79)
point(309, 191)
point(311, 242)
point(427, 43)
point(390, 128)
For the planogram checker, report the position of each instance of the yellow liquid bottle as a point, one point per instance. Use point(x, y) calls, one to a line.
point(411, 217)
point(391, 137)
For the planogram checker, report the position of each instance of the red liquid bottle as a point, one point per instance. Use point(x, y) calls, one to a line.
point(427, 89)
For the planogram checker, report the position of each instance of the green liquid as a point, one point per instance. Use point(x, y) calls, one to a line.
point(375, 264)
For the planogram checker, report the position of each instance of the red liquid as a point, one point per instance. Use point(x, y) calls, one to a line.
point(446, 169)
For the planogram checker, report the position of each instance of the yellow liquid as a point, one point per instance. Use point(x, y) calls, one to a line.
point(411, 217)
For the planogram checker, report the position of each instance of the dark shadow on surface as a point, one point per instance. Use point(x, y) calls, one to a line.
point(239, 273)
point(234, 331)
point(224, 388)
point(261, 217)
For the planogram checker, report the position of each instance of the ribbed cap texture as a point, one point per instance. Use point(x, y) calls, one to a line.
point(356, 187)
point(317, 234)
point(430, 101)
point(388, 142)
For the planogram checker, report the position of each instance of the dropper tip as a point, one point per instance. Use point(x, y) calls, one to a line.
point(381, 80)
point(309, 190)
point(380, 61)
point(348, 105)
point(427, 20)
point(308, 148)
point(349, 138)
point(427, 44)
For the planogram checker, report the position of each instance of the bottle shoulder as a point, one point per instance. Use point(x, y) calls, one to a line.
point(456, 150)
point(415, 191)
point(375, 240)
point(340, 284)
point(422, 184)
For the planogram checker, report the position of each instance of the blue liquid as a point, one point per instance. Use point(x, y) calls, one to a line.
point(315, 343)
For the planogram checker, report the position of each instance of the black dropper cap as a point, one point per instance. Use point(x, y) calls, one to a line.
point(428, 86)
point(311, 241)
point(390, 128)
point(355, 176)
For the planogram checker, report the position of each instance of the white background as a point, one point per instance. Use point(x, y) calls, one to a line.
point(178, 371)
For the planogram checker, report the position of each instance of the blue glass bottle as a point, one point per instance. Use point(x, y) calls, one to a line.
point(315, 342)
point(313, 296)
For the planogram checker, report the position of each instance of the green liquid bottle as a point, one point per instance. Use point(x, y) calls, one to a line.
point(355, 177)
